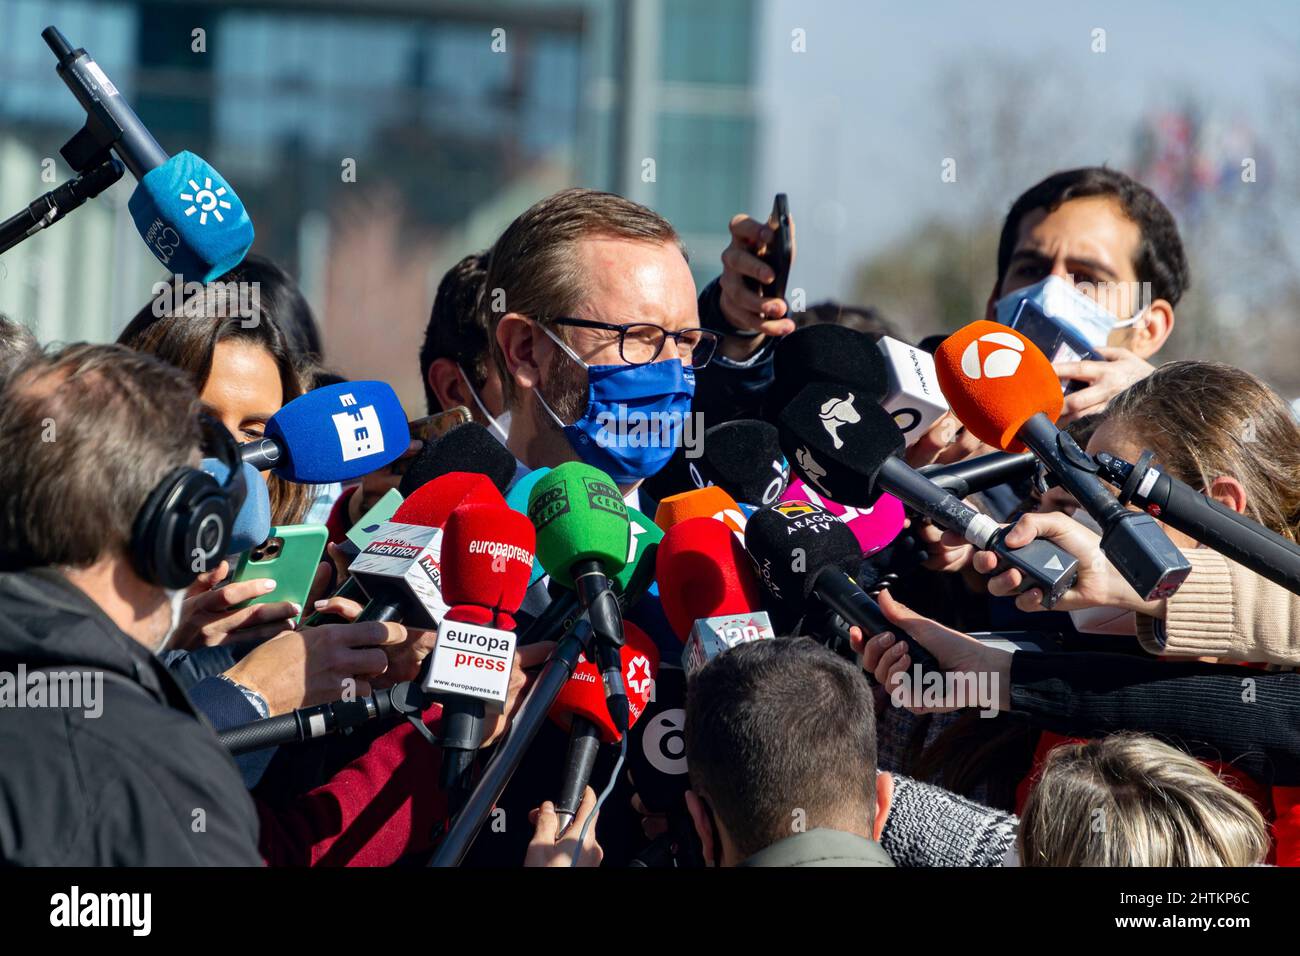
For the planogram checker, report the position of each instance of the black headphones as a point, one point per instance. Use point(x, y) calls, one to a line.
point(184, 527)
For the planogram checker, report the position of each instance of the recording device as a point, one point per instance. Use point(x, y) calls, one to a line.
point(743, 458)
point(468, 447)
point(913, 397)
point(778, 253)
point(849, 449)
point(1055, 339)
point(708, 502)
point(583, 539)
point(400, 571)
point(289, 556)
point(982, 472)
point(875, 526)
point(825, 353)
point(580, 709)
point(803, 554)
point(186, 212)
point(1006, 392)
point(432, 427)
point(1180, 506)
point(488, 555)
point(253, 522)
point(335, 433)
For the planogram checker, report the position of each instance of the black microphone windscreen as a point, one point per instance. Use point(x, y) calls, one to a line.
point(744, 459)
point(825, 353)
point(837, 440)
point(469, 447)
point(794, 541)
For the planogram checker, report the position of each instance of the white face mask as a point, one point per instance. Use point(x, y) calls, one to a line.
point(500, 427)
point(1060, 300)
point(177, 599)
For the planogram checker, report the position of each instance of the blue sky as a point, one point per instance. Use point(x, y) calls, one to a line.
point(853, 128)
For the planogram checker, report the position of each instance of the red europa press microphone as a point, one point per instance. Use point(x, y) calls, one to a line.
point(708, 590)
point(487, 558)
point(581, 709)
point(1003, 388)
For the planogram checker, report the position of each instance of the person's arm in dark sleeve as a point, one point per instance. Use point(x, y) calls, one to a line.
point(190, 667)
point(728, 388)
point(1213, 711)
point(226, 706)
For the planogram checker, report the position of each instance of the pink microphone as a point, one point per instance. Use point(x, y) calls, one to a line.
point(874, 527)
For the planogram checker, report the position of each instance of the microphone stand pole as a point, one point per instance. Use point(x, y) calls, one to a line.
point(48, 209)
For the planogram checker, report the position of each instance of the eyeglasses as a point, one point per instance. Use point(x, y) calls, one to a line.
point(641, 342)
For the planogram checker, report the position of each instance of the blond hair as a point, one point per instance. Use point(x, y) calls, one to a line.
point(1130, 800)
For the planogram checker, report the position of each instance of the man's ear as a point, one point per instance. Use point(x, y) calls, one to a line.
point(700, 818)
point(1150, 334)
point(1229, 492)
point(448, 384)
point(884, 800)
point(517, 338)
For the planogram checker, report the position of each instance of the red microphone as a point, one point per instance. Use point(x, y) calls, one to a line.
point(433, 502)
point(580, 708)
point(704, 572)
point(1006, 392)
point(487, 559)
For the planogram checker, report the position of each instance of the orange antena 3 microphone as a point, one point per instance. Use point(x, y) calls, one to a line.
point(1003, 388)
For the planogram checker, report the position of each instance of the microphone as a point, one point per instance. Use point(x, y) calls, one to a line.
point(1006, 392)
point(875, 527)
point(583, 538)
point(468, 447)
point(803, 552)
point(982, 472)
point(580, 709)
point(252, 524)
point(824, 353)
point(708, 591)
point(400, 570)
point(488, 555)
point(709, 502)
point(186, 212)
point(743, 458)
point(335, 433)
point(1180, 506)
point(518, 499)
point(849, 448)
point(913, 397)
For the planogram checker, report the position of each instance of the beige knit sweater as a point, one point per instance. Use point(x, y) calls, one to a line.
point(1224, 610)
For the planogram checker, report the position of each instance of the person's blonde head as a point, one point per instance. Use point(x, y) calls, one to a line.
point(1130, 800)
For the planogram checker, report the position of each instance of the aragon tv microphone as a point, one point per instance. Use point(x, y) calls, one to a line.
point(1005, 391)
point(849, 448)
point(875, 527)
point(335, 433)
point(1181, 506)
point(580, 709)
point(487, 555)
point(186, 212)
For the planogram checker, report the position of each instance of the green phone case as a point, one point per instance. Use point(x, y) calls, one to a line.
point(289, 556)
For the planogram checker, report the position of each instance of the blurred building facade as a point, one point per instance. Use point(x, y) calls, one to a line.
point(375, 143)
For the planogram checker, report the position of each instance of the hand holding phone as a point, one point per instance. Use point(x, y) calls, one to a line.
point(779, 252)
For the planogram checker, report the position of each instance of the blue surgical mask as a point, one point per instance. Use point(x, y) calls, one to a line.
point(500, 427)
point(1060, 300)
point(634, 418)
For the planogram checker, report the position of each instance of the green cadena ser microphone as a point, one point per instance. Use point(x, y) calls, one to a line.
point(583, 540)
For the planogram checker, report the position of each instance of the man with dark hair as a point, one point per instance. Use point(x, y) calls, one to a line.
point(781, 745)
point(455, 361)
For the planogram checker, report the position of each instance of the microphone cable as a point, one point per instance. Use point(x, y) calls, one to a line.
point(600, 800)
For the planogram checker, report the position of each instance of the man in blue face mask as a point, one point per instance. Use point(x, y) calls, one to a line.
point(597, 334)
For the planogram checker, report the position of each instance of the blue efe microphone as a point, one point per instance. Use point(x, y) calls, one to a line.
point(335, 433)
point(186, 212)
point(253, 523)
point(517, 499)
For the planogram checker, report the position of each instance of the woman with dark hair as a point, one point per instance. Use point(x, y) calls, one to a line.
point(237, 355)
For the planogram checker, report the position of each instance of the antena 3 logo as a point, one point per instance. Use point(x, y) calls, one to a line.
point(993, 355)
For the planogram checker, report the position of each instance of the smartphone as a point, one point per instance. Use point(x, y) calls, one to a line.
point(431, 428)
point(364, 531)
point(777, 253)
point(1058, 341)
point(289, 556)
